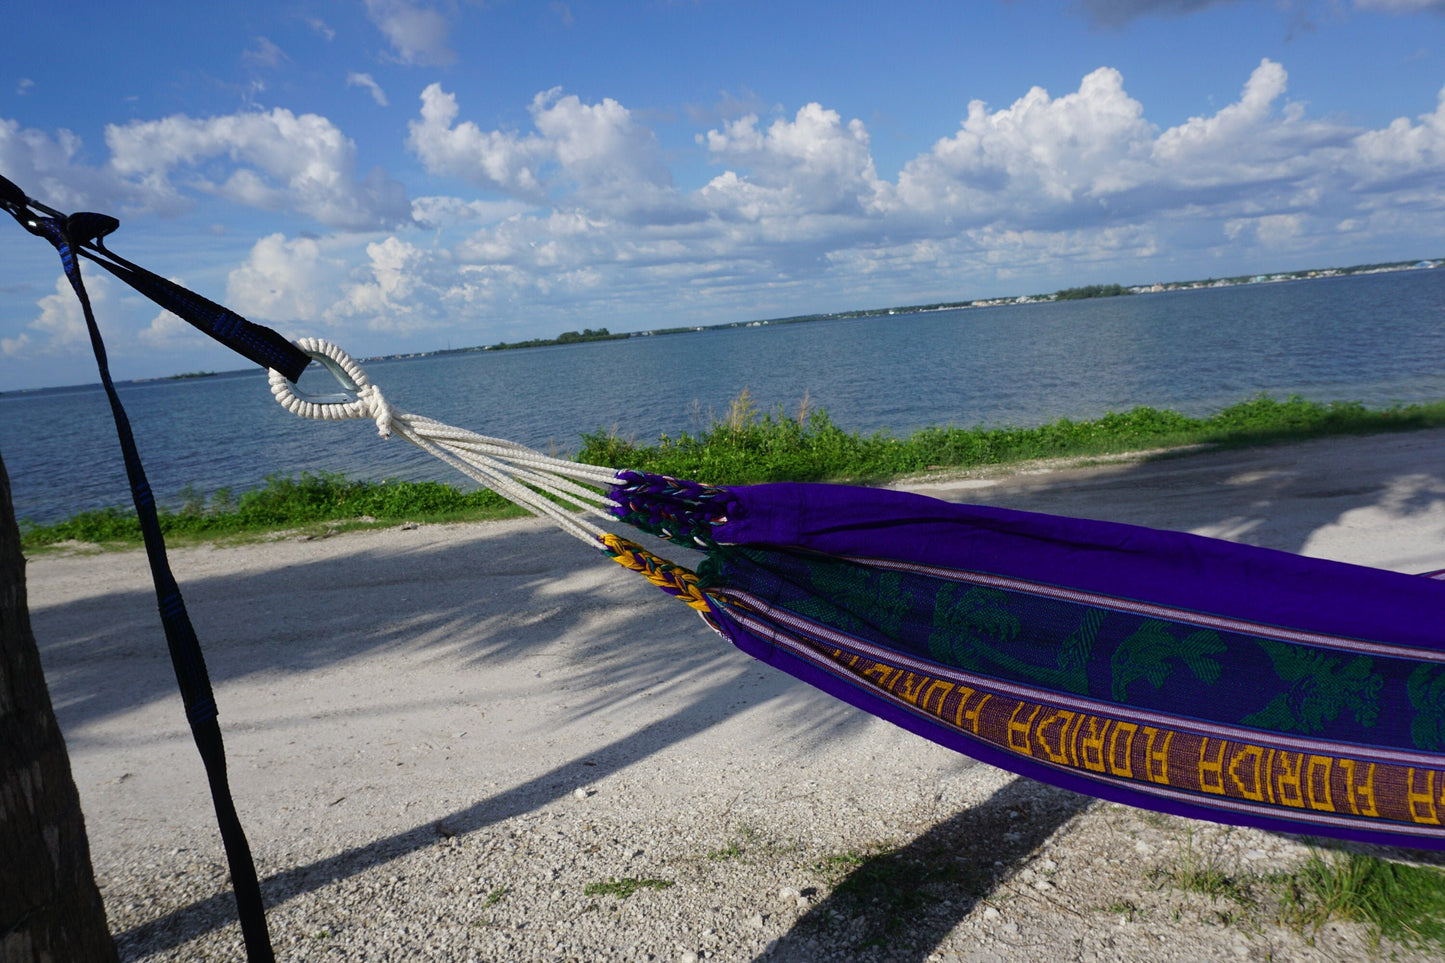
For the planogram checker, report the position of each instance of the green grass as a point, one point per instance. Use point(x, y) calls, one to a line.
point(283, 503)
point(625, 887)
point(1197, 872)
point(1396, 901)
point(744, 447)
point(748, 446)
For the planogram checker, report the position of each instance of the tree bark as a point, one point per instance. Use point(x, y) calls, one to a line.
point(50, 906)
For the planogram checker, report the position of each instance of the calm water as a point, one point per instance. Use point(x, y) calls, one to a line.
point(1377, 339)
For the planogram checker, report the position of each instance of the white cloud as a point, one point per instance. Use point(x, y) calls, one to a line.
point(23, 86)
point(1402, 153)
point(283, 161)
point(419, 34)
point(610, 161)
point(1040, 154)
point(813, 164)
point(264, 53)
point(166, 331)
point(60, 326)
point(51, 168)
point(442, 211)
point(321, 28)
point(365, 81)
point(289, 282)
point(493, 160)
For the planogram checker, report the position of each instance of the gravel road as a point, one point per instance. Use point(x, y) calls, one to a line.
point(483, 742)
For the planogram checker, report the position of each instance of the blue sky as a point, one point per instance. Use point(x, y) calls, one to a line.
point(405, 175)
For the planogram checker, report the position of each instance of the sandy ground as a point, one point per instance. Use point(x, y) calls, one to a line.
point(439, 736)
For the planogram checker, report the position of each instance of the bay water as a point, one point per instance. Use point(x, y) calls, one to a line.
point(1374, 338)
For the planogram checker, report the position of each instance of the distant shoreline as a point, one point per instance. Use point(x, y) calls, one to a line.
point(1104, 290)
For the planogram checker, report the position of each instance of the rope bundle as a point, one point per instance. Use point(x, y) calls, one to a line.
point(555, 488)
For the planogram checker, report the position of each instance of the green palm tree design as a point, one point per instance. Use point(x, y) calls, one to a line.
point(1426, 688)
point(970, 629)
point(1147, 653)
point(851, 598)
point(1319, 690)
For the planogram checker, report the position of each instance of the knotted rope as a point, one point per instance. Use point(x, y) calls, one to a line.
point(542, 484)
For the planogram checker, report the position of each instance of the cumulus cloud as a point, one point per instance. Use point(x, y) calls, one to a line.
point(51, 167)
point(578, 212)
point(812, 164)
point(366, 82)
point(288, 281)
point(599, 151)
point(417, 33)
point(1404, 154)
point(1039, 154)
point(60, 325)
point(282, 162)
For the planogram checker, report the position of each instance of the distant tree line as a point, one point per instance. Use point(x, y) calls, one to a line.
point(1091, 291)
point(566, 337)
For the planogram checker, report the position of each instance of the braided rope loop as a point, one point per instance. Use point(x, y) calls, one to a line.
point(562, 491)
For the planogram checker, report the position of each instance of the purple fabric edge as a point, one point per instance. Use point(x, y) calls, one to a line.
point(858, 696)
point(1176, 569)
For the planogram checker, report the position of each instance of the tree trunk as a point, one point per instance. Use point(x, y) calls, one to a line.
point(50, 907)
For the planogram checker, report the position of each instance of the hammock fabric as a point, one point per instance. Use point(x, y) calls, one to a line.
point(1163, 670)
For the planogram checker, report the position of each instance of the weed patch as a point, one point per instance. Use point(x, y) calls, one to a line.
point(625, 887)
point(1395, 901)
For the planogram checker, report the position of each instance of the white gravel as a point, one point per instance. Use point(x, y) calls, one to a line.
point(443, 740)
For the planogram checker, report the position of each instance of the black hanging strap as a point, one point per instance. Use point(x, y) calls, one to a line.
point(87, 231)
point(185, 649)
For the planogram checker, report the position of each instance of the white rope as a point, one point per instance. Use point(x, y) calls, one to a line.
point(554, 488)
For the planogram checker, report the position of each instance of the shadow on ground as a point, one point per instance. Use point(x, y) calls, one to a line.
point(899, 904)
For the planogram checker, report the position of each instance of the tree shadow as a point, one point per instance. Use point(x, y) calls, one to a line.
point(507, 593)
point(188, 922)
point(900, 904)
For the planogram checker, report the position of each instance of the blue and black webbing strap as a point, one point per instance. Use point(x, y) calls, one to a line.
point(65, 233)
point(87, 232)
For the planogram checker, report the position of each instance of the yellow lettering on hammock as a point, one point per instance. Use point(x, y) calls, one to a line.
point(1211, 767)
point(1317, 775)
point(1360, 791)
point(1421, 803)
point(1158, 755)
point(1021, 729)
point(1063, 719)
point(1288, 779)
point(1125, 768)
point(1250, 757)
point(1095, 741)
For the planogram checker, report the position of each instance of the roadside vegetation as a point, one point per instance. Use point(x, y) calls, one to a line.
point(744, 446)
point(747, 446)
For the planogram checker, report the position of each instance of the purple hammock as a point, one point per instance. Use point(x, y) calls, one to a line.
point(1162, 670)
